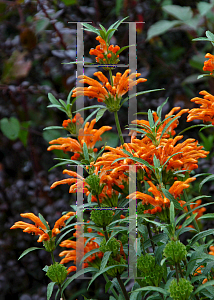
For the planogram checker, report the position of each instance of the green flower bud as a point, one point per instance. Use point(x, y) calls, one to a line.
point(180, 290)
point(146, 264)
point(155, 276)
point(175, 251)
point(112, 245)
point(111, 262)
point(102, 217)
point(50, 245)
point(57, 273)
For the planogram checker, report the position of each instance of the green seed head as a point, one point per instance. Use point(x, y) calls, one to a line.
point(175, 251)
point(180, 290)
point(146, 264)
point(102, 217)
point(57, 273)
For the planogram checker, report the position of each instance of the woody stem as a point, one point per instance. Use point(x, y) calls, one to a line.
point(150, 236)
point(118, 127)
point(122, 287)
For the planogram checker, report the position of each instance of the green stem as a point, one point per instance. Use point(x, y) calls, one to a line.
point(112, 289)
point(180, 270)
point(111, 78)
point(118, 127)
point(60, 288)
point(176, 270)
point(105, 233)
point(122, 287)
point(150, 236)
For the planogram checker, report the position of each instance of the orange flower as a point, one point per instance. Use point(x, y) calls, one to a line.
point(72, 255)
point(87, 135)
point(39, 228)
point(105, 92)
point(159, 199)
point(78, 186)
point(105, 54)
point(209, 64)
point(206, 110)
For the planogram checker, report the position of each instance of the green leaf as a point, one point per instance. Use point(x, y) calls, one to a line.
point(103, 271)
point(85, 151)
point(151, 288)
point(172, 214)
point(159, 109)
point(210, 35)
point(204, 8)
point(65, 162)
point(100, 114)
point(42, 219)
point(49, 135)
point(150, 118)
point(89, 253)
point(168, 125)
point(87, 119)
point(201, 235)
point(171, 198)
point(211, 177)
point(115, 26)
point(10, 127)
point(203, 75)
point(89, 107)
point(203, 286)
point(53, 127)
point(207, 216)
point(29, 250)
point(52, 99)
point(182, 13)
point(23, 132)
point(50, 289)
point(105, 260)
point(76, 275)
point(200, 39)
point(138, 94)
point(161, 27)
point(42, 24)
point(107, 286)
point(88, 27)
point(123, 48)
point(69, 2)
point(193, 126)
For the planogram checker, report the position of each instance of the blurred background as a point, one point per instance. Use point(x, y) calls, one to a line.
point(35, 39)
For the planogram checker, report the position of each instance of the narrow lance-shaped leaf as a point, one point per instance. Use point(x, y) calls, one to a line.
point(50, 289)
point(44, 221)
point(29, 250)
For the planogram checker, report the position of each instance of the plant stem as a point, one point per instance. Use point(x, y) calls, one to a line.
point(52, 257)
point(122, 287)
point(180, 270)
point(111, 78)
point(190, 276)
point(150, 236)
point(118, 127)
point(112, 289)
point(105, 233)
point(59, 285)
point(176, 270)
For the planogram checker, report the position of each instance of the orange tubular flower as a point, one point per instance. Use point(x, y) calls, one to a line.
point(159, 199)
point(72, 255)
point(87, 135)
point(206, 110)
point(209, 64)
point(105, 54)
point(39, 228)
point(105, 92)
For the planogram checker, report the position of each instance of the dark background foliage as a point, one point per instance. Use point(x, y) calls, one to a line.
point(35, 39)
